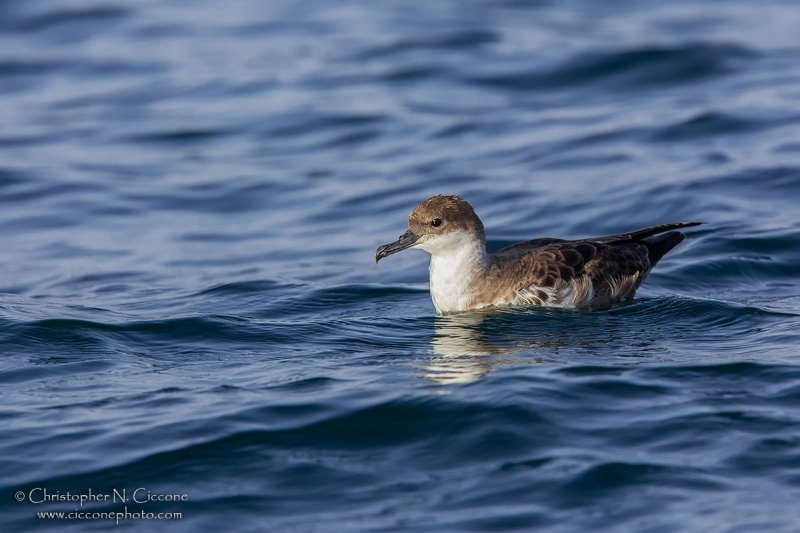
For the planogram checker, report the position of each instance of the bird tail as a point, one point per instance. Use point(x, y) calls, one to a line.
point(659, 245)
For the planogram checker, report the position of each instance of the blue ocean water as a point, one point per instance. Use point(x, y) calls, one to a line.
point(190, 197)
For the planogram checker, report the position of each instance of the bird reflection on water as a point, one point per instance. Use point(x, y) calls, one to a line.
point(463, 350)
point(466, 347)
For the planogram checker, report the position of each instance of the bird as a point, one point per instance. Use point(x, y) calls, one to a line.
point(586, 273)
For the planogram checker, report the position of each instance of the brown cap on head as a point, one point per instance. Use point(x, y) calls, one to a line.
point(445, 214)
point(435, 217)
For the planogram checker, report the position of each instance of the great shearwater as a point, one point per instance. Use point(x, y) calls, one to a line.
point(544, 272)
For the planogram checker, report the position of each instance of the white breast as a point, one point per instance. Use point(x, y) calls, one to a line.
point(455, 273)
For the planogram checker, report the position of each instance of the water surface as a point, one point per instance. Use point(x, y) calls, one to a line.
point(190, 197)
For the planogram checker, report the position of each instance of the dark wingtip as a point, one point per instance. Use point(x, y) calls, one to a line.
point(643, 233)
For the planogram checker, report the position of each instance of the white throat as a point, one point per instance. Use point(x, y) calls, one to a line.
point(458, 261)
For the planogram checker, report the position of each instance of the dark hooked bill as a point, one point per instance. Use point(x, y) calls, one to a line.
point(406, 240)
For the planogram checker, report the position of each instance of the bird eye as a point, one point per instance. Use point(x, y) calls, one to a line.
point(436, 222)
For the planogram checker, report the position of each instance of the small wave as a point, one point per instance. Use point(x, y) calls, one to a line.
point(301, 125)
point(457, 41)
point(759, 182)
point(410, 74)
point(598, 481)
point(655, 66)
point(64, 17)
point(181, 136)
point(12, 68)
point(328, 299)
point(245, 287)
point(711, 124)
point(214, 197)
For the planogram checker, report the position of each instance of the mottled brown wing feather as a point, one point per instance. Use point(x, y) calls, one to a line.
point(560, 262)
point(536, 274)
point(522, 248)
point(614, 271)
point(614, 266)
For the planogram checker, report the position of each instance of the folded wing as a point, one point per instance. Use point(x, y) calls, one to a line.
point(600, 271)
